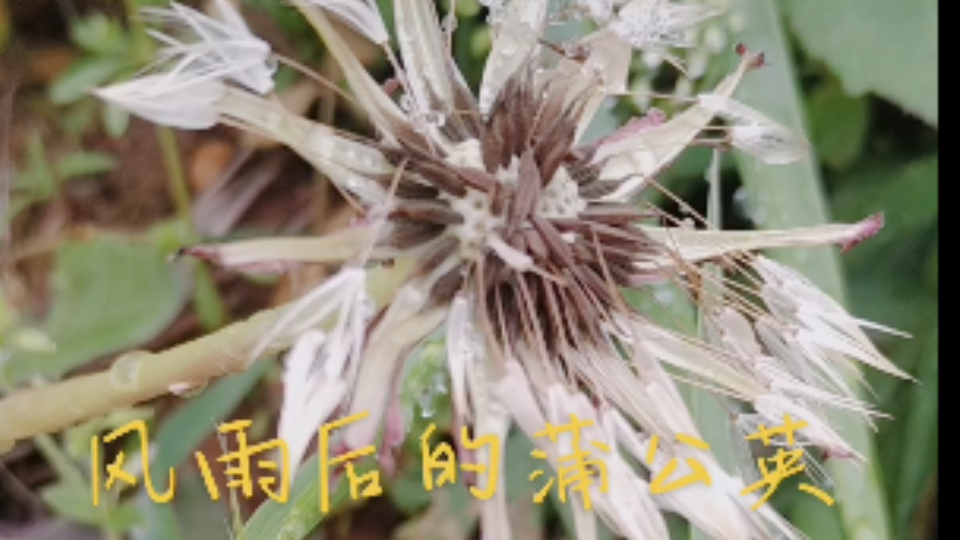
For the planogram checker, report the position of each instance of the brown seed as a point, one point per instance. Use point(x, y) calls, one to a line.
point(477, 179)
point(447, 287)
point(528, 193)
point(435, 212)
point(410, 234)
point(437, 255)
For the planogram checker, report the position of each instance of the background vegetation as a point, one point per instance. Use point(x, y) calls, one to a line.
point(93, 203)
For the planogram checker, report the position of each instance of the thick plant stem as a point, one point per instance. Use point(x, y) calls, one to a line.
point(141, 376)
point(789, 197)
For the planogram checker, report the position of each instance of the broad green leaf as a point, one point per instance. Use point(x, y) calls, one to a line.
point(839, 125)
point(407, 492)
point(792, 196)
point(526, 516)
point(187, 428)
point(74, 502)
point(452, 515)
point(908, 194)
point(301, 515)
point(921, 425)
point(82, 77)
point(76, 440)
point(709, 410)
point(109, 295)
point(160, 521)
point(566, 517)
point(123, 518)
point(890, 47)
point(191, 515)
point(900, 292)
point(668, 305)
point(210, 308)
point(81, 164)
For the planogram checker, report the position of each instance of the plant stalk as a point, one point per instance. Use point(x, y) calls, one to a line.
point(141, 376)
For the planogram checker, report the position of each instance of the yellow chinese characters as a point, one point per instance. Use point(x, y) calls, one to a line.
point(785, 464)
point(266, 465)
point(578, 471)
point(239, 472)
point(443, 459)
point(240, 465)
point(115, 470)
point(367, 485)
point(699, 474)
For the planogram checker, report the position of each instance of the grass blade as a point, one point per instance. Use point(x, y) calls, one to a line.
point(793, 196)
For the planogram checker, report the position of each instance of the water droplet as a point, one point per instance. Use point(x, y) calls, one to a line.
point(440, 383)
point(509, 47)
point(34, 341)
point(715, 39)
point(186, 390)
point(368, 308)
point(435, 118)
point(271, 64)
point(652, 60)
point(426, 405)
point(748, 207)
point(575, 50)
point(450, 23)
point(665, 295)
point(125, 371)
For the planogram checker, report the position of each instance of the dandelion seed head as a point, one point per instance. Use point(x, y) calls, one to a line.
point(516, 239)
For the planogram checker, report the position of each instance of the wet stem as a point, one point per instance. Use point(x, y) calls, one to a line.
point(66, 468)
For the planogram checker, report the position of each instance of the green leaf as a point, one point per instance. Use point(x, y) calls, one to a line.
point(160, 521)
point(74, 502)
point(77, 120)
point(109, 295)
point(123, 518)
point(839, 125)
point(187, 428)
point(452, 515)
point(99, 34)
point(908, 193)
point(191, 515)
point(890, 47)
point(116, 121)
point(792, 196)
point(82, 77)
point(39, 178)
point(526, 516)
point(922, 431)
point(210, 308)
point(297, 519)
point(85, 164)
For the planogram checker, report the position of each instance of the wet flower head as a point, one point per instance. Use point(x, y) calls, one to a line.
point(493, 221)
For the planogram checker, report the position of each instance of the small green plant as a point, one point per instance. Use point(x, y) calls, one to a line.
point(41, 177)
